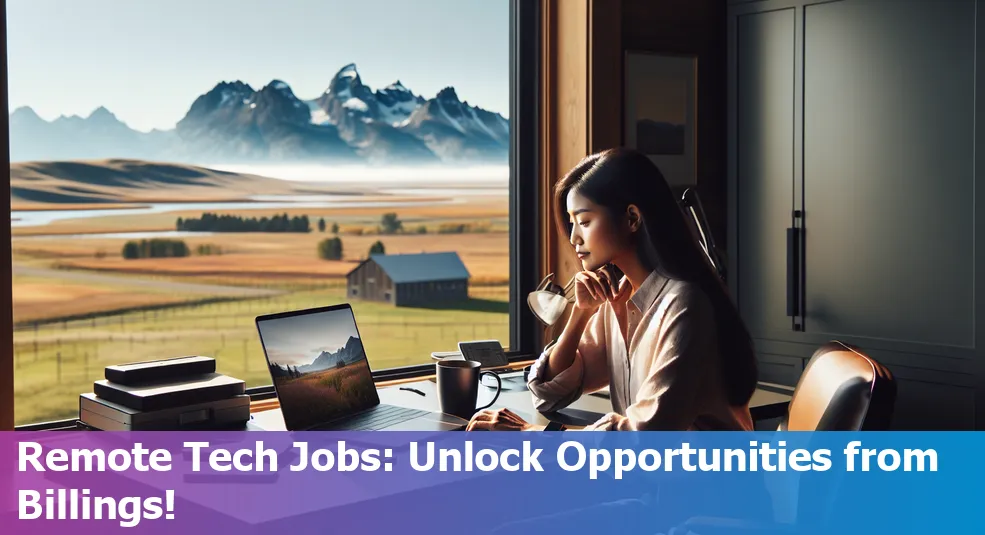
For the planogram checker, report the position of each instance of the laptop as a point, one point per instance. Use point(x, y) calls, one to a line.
point(323, 380)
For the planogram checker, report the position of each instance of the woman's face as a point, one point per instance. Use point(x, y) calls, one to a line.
point(597, 237)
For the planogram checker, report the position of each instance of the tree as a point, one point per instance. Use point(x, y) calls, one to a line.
point(377, 248)
point(389, 224)
point(422, 229)
point(131, 250)
point(335, 228)
point(321, 225)
point(330, 249)
point(155, 248)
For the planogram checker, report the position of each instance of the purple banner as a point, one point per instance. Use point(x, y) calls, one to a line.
point(398, 482)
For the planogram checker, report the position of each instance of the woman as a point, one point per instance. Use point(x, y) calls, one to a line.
point(665, 338)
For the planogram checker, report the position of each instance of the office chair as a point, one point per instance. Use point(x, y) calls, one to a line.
point(841, 389)
point(691, 204)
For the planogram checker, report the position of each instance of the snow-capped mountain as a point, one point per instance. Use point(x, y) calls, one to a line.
point(362, 119)
point(456, 131)
point(347, 97)
point(382, 124)
point(396, 103)
point(234, 122)
point(351, 352)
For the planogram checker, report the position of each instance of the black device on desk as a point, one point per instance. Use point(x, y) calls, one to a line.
point(489, 353)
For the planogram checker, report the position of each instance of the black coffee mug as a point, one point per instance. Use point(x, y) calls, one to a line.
point(458, 387)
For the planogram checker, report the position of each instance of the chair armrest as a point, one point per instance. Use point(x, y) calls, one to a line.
point(709, 525)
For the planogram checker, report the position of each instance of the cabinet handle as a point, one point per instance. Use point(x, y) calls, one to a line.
point(793, 272)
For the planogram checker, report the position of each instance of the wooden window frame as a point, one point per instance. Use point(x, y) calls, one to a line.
point(526, 52)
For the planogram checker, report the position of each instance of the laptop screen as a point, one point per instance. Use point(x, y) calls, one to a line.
point(318, 365)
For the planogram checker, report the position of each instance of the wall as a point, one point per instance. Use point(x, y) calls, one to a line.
point(432, 292)
point(585, 42)
point(693, 27)
point(359, 279)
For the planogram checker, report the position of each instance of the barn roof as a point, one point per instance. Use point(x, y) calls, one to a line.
point(420, 267)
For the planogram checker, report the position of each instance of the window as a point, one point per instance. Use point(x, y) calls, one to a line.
point(176, 192)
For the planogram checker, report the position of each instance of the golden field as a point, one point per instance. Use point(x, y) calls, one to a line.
point(39, 298)
point(280, 255)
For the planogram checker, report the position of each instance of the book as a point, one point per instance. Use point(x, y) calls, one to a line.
point(169, 394)
point(135, 373)
point(101, 414)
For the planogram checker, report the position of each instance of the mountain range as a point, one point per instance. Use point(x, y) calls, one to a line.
point(351, 352)
point(235, 123)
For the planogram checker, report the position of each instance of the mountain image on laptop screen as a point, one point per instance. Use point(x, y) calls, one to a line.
point(318, 366)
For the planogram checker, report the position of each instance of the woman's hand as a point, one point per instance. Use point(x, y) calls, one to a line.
point(498, 420)
point(592, 289)
point(590, 292)
point(620, 290)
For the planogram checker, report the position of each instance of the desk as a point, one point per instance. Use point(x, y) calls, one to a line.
point(769, 401)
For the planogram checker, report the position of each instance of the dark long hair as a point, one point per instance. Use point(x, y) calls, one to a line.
point(616, 178)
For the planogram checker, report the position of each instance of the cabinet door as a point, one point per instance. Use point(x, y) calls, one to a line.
point(764, 162)
point(889, 194)
point(889, 162)
point(863, 114)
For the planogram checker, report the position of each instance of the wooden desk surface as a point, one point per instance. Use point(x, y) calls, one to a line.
point(769, 401)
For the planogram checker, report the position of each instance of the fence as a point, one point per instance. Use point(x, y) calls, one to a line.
point(56, 361)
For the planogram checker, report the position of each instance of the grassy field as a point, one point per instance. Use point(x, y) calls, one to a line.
point(57, 361)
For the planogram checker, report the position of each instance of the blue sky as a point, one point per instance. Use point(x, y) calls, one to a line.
point(298, 340)
point(147, 60)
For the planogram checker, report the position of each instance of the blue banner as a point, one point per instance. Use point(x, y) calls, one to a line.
point(536, 482)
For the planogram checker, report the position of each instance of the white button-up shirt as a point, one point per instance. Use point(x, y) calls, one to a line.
point(664, 374)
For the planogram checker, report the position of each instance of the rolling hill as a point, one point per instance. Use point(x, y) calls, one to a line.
point(122, 181)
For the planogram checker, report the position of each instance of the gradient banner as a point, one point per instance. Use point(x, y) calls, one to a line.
point(397, 482)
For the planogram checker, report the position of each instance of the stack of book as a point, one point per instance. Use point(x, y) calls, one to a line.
point(169, 394)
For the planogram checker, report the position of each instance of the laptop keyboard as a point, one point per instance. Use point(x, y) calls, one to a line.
point(381, 417)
